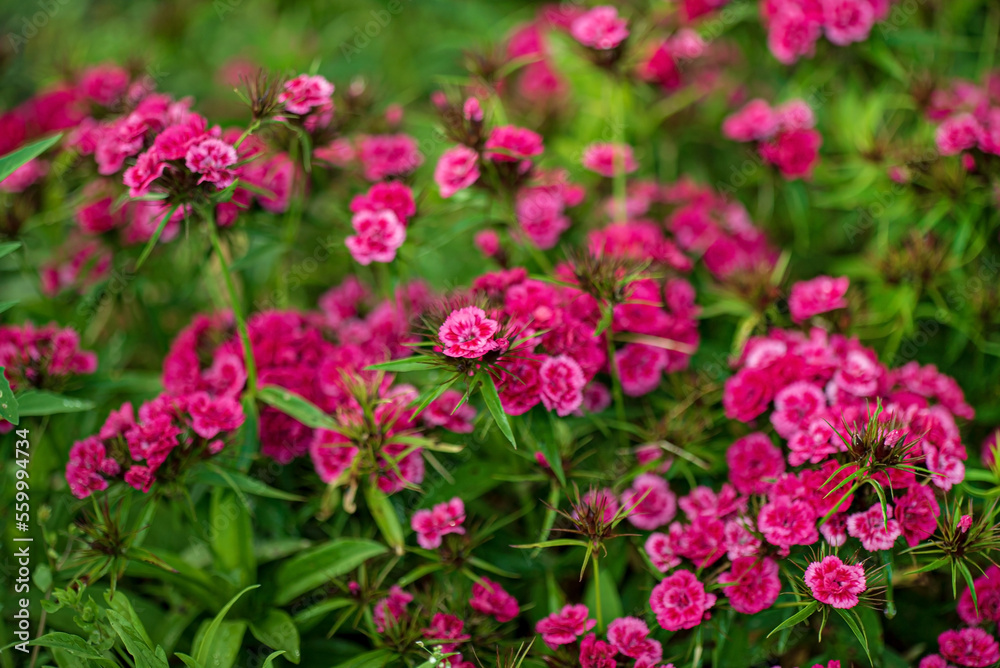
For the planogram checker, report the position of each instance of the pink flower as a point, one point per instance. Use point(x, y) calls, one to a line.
point(491, 599)
point(446, 627)
point(847, 21)
point(104, 84)
point(661, 68)
point(755, 584)
point(795, 115)
point(965, 523)
point(562, 382)
point(836, 583)
point(472, 110)
point(446, 413)
point(821, 294)
point(539, 212)
point(140, 477)
point(390, 610)
point(432, 525)
point(747, 394)
point(211, 416)
point(785, 521)
point(958, 133)
point(630, 636)
point(874, 531)
point(606, 158)
point(388, 155)
point(379, 236)
point(331, 455)
point(488, 242)
point(969, 647)
point(792, 33)
point(600, 28)
point(509, 143)
point(986, 607)
point(304, 92)
point(754, 463)
point(88, 464)
point(657, 506)
point(793, 152)
point(457, 169)
point(468, 332)
point(917, 512)
point(596, 653)
point(756, 120)
point(565, 626)
point(392, 195)
point(680, 601)
point(213, 159)
point(147, 168)
point(25, 175)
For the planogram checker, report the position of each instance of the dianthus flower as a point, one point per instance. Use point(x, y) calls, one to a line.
point(836, 583)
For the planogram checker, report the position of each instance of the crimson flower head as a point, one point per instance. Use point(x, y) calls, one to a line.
point(468, 332)
point(836, 583)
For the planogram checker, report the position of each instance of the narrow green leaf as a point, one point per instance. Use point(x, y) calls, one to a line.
point(8, 402)
point(849, 616)
point(317, 566)
point(156, 236)
point(384, 514)
point(277, 631)
point(402, 365)
point(217, 476)
point(489, 391)
point(799, 616)
point(7, 248)
point(297, 407)
point(15, 159)
point(135, 644)
point(206, 640)
point(40, 402)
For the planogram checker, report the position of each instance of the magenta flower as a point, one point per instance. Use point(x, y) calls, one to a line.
point(821, 294)
point(139, 177)
point(446, 413)
point(457, 169)
point(847, 21)
point(379, 236)
point(562, 382)
point(213, 159)
point(630, 636)
point(211, 416)
point(390, 610)
point(658, 504)
point(304, 92)
point(491, 599)
point(87, 466)
point(432, 525)
point(509, 143)
point(596, 653)
point(754, 463)
point(388, 155)
point(446, 627)
point(680, 601)
point(836, 583)
point(756, 120)
point(969, 647)
point(874, 532)
point(606, 158)
point(468, 332)
point(755, 584)
point(565, 626)
point(793, 152)
point(958, 133)
point(600, 28)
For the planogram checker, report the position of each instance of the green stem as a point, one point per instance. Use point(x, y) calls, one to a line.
point(620, 195)
point(616, 381)
point(597, 594)
point(235, 304)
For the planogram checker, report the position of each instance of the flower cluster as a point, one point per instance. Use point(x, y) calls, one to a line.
point(786, 136)
point(968, 116)
point(627, 639)
point(794, 26)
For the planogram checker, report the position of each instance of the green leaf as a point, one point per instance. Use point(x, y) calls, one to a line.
point(297, 407)
point(216, 476)
point(7, 248)
point(123, 606)
point(224, 647)
point(376, 659)
point(384, 514)
point(549, 448)
point(15, 159)
point(40, 402)
point(144, 654)
point(269, 661)
point(6, 306)
point(402, 365)
point(799, 616)
point(558, 542)
point(188, 660)
point(311, 616)
point(232, 537)
point(850, 617)
point(251, 436)
point(317, 566)
point(277, 631)
point(156, 236)
point(75, 645)
point(8, 402)
point(489, 391)
point(204, 643)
